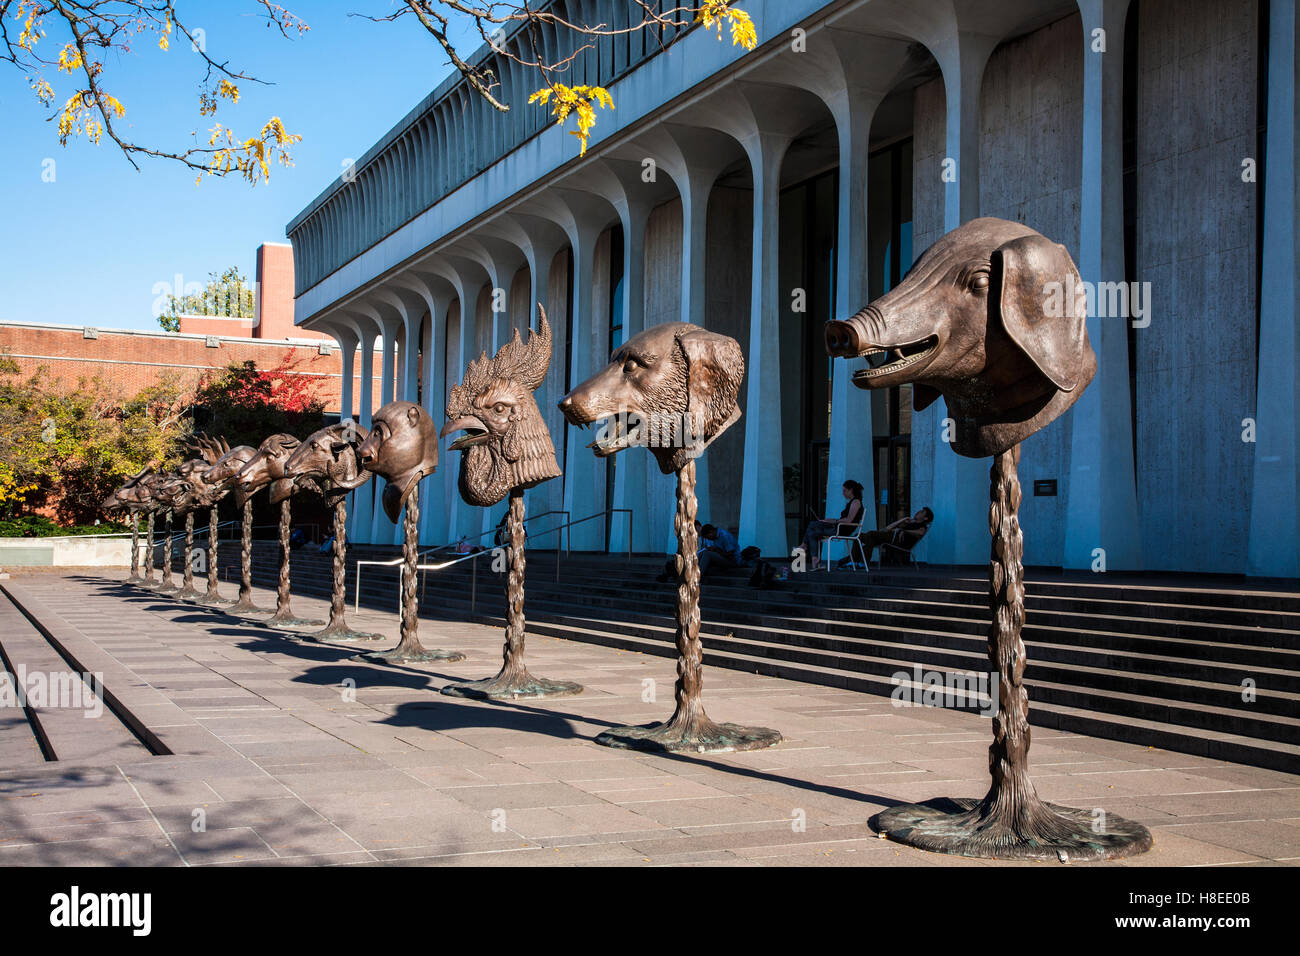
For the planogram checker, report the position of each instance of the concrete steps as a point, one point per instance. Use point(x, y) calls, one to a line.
point(1211, 669)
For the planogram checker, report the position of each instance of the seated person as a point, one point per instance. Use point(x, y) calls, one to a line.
point(904, 533)
point(719, 550)
point(825, 527)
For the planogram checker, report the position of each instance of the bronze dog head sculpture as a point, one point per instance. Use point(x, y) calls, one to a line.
point(329, 456)
point(402, 448)
point(672, 388)
point(993, 318)
point(506, 444)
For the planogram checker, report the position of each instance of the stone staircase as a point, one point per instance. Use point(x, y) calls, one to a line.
point(1196, 666)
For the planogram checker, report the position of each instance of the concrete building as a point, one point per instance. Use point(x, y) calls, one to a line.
point(761, 194)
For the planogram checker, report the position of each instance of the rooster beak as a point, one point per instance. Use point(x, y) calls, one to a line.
point(476, 432)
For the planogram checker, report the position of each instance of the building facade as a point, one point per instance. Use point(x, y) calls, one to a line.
point(760, 194)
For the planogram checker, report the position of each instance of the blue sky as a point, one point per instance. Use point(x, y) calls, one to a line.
point(89, 247)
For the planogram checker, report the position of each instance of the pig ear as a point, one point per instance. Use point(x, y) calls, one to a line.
point(714, 368)
point(1042, 306)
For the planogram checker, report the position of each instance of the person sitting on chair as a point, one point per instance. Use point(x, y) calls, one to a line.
point(825, 527)
point(904, 533)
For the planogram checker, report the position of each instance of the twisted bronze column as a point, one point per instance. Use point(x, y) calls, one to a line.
point(1011, 821)
point(244, 603)
point(689, 728)
point(134, 576)
point(212, 595)
point(188, 591)
point(148, 564)
point(514, 680)
point(165, 586)
point(337, 630)
point(409, 649)
point(284, 616)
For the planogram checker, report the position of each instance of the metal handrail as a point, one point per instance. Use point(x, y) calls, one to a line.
point(436, 549)
point(356, 600)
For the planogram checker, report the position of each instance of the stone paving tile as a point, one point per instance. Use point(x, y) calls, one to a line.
point(286, 770)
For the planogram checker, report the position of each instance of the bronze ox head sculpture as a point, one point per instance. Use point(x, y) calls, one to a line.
point(133, 495)
point(672, 388)
point(266, 467)
point(993, 318)
point(505, 444)
point(329, 456)
point(402, 448)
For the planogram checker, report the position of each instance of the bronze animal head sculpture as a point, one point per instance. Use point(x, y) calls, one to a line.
point(506, 444)
point(132, 495)
point(266, 467)
point(672, 388)
point(992, 317)
point(330, 457)
point(402, 448)
point(226, 469)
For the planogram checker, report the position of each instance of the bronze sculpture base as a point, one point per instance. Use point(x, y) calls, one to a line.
point(1011, 822)
point(344, 635)
point(974, 828)
point(409, 650)
point(701, 736)
point(513, 687)
point(291, 622)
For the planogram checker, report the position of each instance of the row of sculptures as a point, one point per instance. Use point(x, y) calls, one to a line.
point(979, 319)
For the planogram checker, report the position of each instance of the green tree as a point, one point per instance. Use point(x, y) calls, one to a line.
point(71, 446)
point(227, 294)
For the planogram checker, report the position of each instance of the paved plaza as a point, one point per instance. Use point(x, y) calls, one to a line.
point(286, 751)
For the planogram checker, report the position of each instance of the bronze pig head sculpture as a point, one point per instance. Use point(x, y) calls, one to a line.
point(506, 444)
point(402, 448)
point(330, 457)
point(672, 388)
point(993, 318)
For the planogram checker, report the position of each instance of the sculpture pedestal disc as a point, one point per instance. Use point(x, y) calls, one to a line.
point(514, 681)
point(409, 650)
point(1011, 822)
point(689, 730)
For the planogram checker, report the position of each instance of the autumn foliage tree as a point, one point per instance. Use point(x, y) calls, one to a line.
point(245, 404)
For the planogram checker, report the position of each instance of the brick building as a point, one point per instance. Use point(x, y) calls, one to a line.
point(206, 344)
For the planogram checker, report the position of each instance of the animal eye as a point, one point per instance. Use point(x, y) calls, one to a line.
point(499, 408)
point(979, 282)
point(629, 366)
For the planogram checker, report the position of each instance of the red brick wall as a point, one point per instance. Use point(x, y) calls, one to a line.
point(133, 360)
point(275, 295)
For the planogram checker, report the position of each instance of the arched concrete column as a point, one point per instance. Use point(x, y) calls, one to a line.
point(1275, 514)
point(467, 279)
point(851, 73)
point(437, 294)
point(693, 157)
point(540, 240)
point(621, 184)
point(1101, 510)
point(361, 513)
point(583, 217)
point(388, 320)
point(764, 120)
point(501, 260)
point(959, 500)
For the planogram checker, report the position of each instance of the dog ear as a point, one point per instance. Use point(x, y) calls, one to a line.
point(714, 369)
point(1042, 306)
